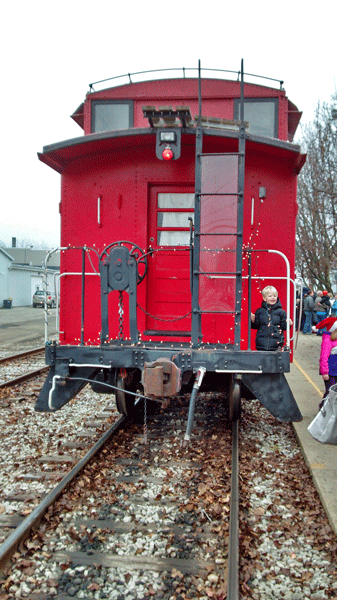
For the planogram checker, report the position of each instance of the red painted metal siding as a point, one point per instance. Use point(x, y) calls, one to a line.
point(108, 194)
point(273, 223)
point(124, 181)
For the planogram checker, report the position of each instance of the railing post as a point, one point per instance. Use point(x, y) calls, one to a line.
point(82, 295)
point(249, 297)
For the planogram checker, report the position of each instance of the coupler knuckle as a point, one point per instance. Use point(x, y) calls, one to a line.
point(161, 378)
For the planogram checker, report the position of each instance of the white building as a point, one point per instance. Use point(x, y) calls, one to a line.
point(5, 263)
point(22, 273)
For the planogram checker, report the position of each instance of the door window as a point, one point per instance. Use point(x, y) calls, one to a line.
point(173, 212)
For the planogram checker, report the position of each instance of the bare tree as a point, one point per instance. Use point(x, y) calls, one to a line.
point(316, 237)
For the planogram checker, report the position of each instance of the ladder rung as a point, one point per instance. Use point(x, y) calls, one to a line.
point(218, 312)
point(221, 154)
point(156, 333)
point(236, 233)
point(220, 194)
point(217, 273)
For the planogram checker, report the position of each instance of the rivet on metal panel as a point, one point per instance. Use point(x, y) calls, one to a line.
point(138, 358)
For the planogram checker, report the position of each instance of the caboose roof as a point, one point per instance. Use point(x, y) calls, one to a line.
point(60, 155)
point(186, 89)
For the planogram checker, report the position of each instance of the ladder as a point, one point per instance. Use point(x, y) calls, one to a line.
point(218, 229)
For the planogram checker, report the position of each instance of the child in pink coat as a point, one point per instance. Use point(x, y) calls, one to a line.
point(328, 357)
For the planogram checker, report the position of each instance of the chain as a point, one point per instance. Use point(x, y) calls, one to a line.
point(145, 422)
point(160, 319)
point(121, 316)
point(90, 260)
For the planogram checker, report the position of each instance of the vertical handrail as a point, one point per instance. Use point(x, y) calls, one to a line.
point(82, 295)
point(286, 260)
point(239, 238)
point(45, 305)
point(57, 288)
point(249, 298)
point(44, 266)
point(45, 279)
point(196, 332)
point(191, 253)
point(300, 309)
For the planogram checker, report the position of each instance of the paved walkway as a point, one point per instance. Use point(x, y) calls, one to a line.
point(24, 324)
point(308, 387)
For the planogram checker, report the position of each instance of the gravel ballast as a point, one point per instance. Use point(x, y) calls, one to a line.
point(288, 549)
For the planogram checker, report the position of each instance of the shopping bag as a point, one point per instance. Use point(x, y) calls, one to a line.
point(324, 426)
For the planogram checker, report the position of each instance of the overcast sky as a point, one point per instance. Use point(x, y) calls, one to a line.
point(52, 51)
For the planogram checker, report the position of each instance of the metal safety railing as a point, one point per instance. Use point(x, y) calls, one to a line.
point(182, 71)
point(57, 279)
point(290, 307)
point(287, 264)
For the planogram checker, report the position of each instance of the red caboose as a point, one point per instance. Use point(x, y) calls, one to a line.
point(178, 206)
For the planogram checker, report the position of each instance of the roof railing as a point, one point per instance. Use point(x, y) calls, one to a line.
point(183, 71)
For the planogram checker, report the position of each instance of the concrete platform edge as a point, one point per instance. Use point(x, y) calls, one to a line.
point(321, 459)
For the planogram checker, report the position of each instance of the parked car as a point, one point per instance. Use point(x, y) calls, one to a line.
point(39, 297)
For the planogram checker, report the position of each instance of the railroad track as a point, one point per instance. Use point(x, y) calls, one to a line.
point(18, 363)
point(134, 494)
point(28, 523)
point(163, 511)
point(21, 355)
point(24, 377)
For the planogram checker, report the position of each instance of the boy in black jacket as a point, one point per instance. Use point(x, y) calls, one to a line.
point(270, 321)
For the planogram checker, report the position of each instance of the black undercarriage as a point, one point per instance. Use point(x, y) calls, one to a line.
point(157, 371)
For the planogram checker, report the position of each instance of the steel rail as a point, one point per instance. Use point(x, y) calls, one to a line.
point(10, 544)
point(233, 549)
point(22, 378)
point(21, 355)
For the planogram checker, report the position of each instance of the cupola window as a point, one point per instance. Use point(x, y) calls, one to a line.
point(109, 115)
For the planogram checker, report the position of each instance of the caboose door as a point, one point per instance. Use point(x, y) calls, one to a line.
point(168, 279)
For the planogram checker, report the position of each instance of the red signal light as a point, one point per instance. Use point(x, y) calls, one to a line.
point(168, 143)
point(167, 154)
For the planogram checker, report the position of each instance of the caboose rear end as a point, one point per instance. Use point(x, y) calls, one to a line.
point(178, 205)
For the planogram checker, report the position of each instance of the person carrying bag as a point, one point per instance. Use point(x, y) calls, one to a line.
point(324, 426)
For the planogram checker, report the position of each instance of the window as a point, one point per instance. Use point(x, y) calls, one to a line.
point(109, 115)
point(262, 115)
point(173, 226)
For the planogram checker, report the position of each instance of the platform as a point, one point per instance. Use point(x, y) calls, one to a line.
point(308, 388)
